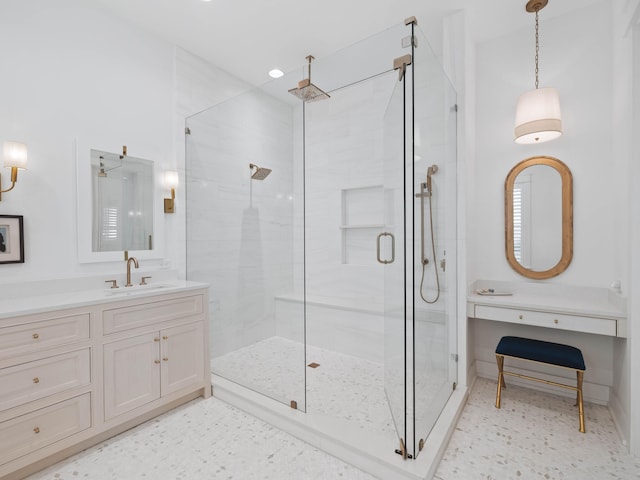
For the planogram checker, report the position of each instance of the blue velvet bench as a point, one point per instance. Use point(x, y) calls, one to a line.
point(547, 353)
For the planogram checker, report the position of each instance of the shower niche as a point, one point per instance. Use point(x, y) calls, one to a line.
point(303, 313)
point(362, 218)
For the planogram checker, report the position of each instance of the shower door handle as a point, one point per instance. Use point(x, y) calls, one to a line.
point(393, 247)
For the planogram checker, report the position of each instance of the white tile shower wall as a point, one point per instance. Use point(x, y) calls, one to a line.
point(343, 150)
point(198, 86)
point(240, 230)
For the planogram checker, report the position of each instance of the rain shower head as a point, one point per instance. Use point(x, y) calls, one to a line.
point(307, 91)
point(260, 173)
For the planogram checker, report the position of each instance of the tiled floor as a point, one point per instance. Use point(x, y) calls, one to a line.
point(534, 436)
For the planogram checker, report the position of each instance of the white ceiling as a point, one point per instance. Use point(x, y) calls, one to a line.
point(250, 37)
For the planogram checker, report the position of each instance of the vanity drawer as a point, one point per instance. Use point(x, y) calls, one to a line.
point(38, 379)
point(43, 427)
point(600, 326)
point(19, 339)
point(127, 318)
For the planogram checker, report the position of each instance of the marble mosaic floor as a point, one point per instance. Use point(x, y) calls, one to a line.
point(534, 436)
point(342, 386)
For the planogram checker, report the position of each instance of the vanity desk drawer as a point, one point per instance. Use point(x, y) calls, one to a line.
point(31, 381)
point(599, 326)
point(49, 332)
point(144, 314)
point(27, 433)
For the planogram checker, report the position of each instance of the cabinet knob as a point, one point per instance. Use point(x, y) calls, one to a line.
point(36, 430)
point(555, 320)
point(164, 337)
point(156, 339)
point(36, 380)
point(157, 361)
point(165, 359)
point(35, 336)
point(520, 317)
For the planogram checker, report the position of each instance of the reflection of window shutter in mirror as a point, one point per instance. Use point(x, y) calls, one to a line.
point(517, 222)
point(110, 224)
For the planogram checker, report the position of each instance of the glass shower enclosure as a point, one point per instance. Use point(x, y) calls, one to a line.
point(326, 230)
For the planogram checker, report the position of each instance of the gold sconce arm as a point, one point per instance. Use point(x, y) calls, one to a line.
point(169, 203)
point(14, 179)
point(171, 182)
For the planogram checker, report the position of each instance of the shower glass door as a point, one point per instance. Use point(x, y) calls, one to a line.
point(391, 256)
point(434, 366)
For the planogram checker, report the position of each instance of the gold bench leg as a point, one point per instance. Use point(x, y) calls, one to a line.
point(501, 384)
point(580, 374)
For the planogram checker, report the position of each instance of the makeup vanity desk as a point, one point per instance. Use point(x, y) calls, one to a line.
point(599, 311)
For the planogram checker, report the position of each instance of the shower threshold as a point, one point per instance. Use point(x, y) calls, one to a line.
point(330, 435)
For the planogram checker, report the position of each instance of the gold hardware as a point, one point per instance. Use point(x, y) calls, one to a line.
point(393, 248)
point(143, 280)
point(165, 359)
point(410, 20)
point(156, 361)
point(15, 156)
point(400, 64)
point(114, 283)
point(156, 339)
point(313, 365)
point(126, 255)
point(403, 450)
point(35, 336)
point(520, 317)
point(293, 404)
point(421, 444)
point(135, 264)
point(164, 337)
point(555, 320)
point(36, 430)
point(171, 181)
point(124, 150)
point(36, 380)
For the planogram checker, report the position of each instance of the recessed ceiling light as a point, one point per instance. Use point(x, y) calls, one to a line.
point(276, 73)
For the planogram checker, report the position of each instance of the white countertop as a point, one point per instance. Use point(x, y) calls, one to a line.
point(587, 301)
point(74, 297)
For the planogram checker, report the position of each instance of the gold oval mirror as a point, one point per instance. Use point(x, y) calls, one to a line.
point(538, 200)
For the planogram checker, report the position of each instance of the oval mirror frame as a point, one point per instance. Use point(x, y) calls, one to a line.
point(567, 217)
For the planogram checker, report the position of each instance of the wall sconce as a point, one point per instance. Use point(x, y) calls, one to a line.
point(538, 116)
point(15, 157)
point(170, 181)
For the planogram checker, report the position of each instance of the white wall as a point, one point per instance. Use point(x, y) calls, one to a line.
point(580, 66)
point(71, 71)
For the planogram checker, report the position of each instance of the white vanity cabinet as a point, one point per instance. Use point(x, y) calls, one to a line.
point(71, 377)
point(164, 355)
point(45, 380)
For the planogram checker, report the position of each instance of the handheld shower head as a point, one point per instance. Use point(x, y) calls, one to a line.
point(260, 173)
point(430, 171)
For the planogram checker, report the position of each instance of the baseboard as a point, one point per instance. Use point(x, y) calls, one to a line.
point(620, 418)
point(592, 392)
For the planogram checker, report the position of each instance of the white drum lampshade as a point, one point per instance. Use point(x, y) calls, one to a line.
point(538, 116)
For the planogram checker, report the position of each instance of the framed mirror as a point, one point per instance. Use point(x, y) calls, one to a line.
point(538, 195)
point(119, 205)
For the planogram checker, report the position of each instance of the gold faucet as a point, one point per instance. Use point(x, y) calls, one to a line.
point(135, 263)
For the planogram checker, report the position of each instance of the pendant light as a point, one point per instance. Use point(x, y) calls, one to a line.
point(538, 117)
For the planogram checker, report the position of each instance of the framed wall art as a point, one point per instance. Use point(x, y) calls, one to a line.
point(11, 239)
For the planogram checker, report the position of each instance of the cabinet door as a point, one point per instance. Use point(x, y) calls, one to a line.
point(131, 373)
point(182, 357)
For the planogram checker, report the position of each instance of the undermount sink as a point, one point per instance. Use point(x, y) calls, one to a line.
point(136, 289)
